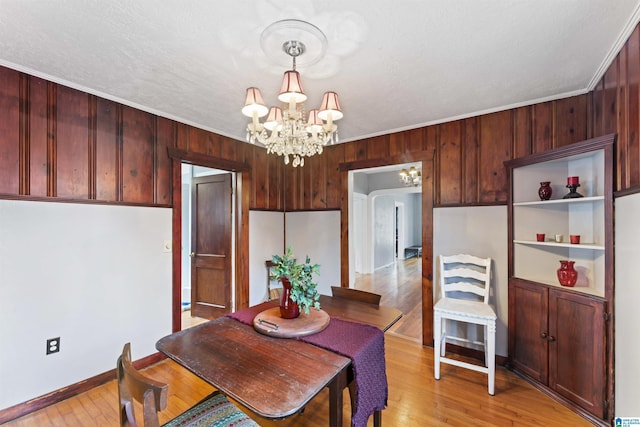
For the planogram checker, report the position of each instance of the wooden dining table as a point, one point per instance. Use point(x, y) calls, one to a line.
point(272, 377)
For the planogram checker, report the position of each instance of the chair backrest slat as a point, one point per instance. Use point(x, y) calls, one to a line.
point(465, 287)
point(356, 294)
point(465, 273)
point(134, 386)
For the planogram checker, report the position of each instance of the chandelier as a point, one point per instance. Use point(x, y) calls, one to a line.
point(288, 131)
point(411, 176)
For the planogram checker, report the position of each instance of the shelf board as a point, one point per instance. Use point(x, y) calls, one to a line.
point(560, 201)
point(560, 245)
point(555, 284)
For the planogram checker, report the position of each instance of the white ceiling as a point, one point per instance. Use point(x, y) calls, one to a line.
point(396, 65)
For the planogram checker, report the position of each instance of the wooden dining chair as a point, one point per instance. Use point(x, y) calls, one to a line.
point(274, 289)
point(464, 286)
point(215, 410)
point(356, 295)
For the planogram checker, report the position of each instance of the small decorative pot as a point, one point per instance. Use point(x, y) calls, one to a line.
point(288, 308)
point(567, 275)
point(545, 190)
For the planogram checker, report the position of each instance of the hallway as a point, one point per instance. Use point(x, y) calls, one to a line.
point(400, 287)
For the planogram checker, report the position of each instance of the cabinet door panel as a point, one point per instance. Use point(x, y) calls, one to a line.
point(576, 356)
point(528, 312)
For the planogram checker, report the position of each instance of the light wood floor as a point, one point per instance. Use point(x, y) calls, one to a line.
point(399, 284)
point(459, 398)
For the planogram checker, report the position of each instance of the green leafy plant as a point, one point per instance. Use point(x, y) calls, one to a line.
point(303, 290)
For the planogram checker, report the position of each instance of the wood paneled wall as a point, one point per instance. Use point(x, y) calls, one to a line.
point(57, 142)
point(616, 109)
point(60, 142)
point(469, 154)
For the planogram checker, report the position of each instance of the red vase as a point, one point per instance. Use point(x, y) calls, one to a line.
point(567, 275)
point(288, 308)
point(545, 190)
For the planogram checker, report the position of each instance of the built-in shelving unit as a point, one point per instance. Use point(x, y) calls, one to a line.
point(552, 326)
point(538, 261)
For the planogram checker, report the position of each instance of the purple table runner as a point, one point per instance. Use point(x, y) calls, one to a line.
point(363, 344)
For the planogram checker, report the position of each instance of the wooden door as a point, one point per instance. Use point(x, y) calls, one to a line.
point(528, 329)
point(577, 350)
point(211, 255)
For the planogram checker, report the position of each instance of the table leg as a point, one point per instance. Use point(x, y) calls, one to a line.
point(377, 419)
point(335, 398)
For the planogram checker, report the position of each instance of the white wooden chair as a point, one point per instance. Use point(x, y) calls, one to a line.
point(460, 276)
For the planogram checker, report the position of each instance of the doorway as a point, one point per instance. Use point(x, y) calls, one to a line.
point(208, 241)
point(386, 217)
point(240, 242)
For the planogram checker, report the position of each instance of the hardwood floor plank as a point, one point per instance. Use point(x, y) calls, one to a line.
point(400, 287)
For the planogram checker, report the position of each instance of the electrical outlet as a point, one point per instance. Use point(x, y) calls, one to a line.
point(53, 345)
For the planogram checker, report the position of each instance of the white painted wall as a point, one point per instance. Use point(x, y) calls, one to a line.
point(358, 229)
point(413, 223)
point(266, 238)
point(360, 182)
point(385, 180)
point(383, 203)
point(417, 219)
point(627, 302)
point(479, 231)
point(97, 276)
point(383, 232)
point(317, 234)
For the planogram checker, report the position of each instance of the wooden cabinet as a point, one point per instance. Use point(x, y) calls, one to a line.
point(562, 337)
point(558, 340)
point(528, 314)
point(577, 349)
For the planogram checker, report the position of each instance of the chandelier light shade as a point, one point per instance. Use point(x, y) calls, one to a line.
point(253, 103)
point(274, 119)
point(287, 131)
point(314, 123)
point(291, 89)
point(330, 107)
point(411, 176)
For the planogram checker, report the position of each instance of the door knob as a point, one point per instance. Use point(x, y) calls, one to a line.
point(543, 335)
point(192, 254)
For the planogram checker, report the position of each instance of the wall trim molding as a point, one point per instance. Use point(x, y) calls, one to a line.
point(33, 405)
point(206, 160)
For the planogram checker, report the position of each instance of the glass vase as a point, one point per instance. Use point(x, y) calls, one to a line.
point(288, 308)
point(567, 275)
point(545, 191)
